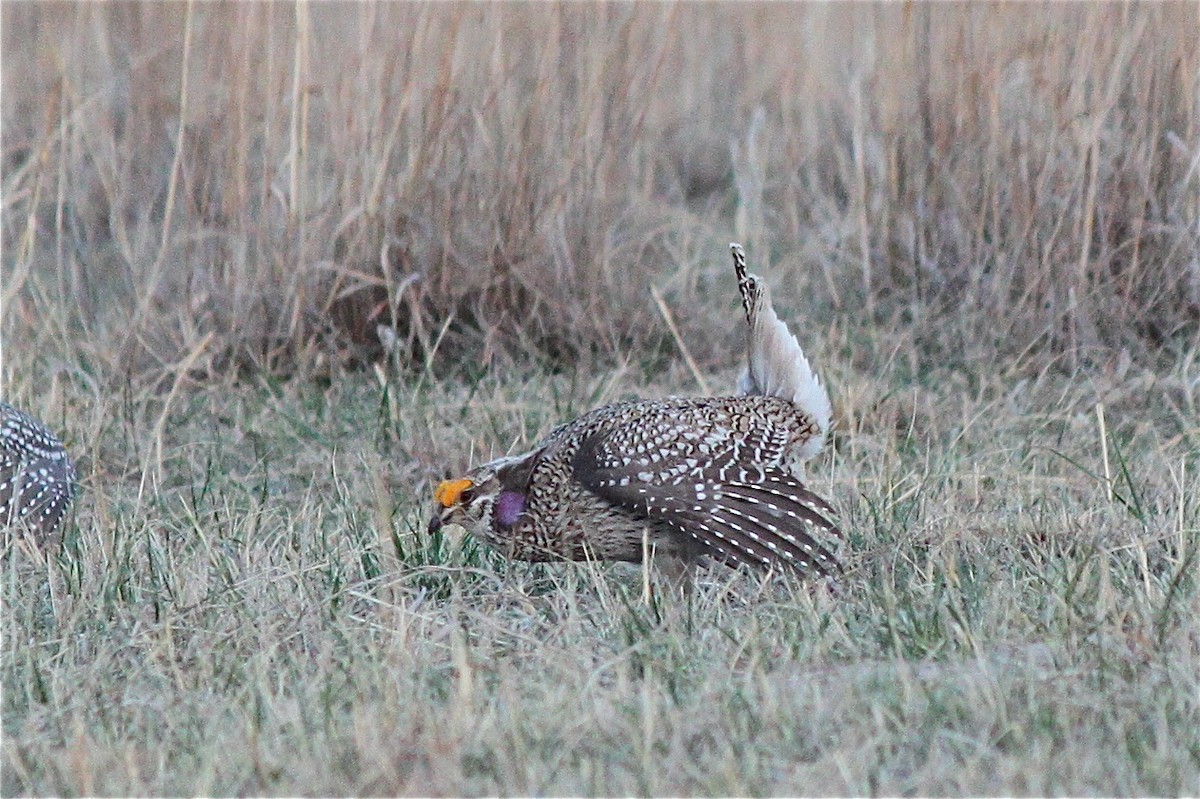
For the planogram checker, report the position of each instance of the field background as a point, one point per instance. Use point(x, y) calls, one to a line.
point(271, 270)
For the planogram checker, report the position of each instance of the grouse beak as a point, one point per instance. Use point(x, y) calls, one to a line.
point(435, 524)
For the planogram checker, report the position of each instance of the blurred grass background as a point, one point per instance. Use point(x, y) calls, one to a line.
point(981, 219)
point(251, 185)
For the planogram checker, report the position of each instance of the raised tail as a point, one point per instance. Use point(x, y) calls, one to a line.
point(777, 366)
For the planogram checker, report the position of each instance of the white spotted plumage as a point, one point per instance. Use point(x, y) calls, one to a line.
point(37, 477)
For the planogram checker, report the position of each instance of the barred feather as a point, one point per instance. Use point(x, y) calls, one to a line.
point(738, 512)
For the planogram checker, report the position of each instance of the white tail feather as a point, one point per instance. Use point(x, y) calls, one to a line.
point(777, 366)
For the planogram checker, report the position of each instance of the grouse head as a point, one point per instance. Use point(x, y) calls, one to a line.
point(489, 501)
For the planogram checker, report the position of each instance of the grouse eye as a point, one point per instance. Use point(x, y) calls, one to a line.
point(466, 496)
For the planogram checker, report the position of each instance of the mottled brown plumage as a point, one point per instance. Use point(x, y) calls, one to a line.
point(714, 477)
point(37, 478)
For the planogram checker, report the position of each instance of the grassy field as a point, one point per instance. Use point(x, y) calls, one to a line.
point(982, 220)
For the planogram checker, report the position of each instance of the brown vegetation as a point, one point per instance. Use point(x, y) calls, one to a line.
point(262, 185)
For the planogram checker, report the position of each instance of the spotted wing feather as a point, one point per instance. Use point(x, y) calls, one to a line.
point(737, 513)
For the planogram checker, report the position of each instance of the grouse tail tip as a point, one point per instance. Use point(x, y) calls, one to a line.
point(777, 366)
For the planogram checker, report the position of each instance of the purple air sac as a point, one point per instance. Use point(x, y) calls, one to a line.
point(509, 507)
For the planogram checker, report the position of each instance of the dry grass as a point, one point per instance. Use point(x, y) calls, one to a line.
point(982, 217)
point(283, 179)
point(270, 617)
